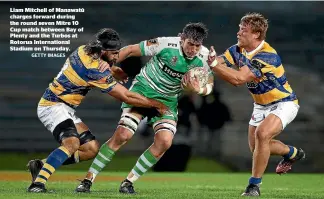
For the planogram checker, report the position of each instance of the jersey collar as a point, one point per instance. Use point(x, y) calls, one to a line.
point(255, 50)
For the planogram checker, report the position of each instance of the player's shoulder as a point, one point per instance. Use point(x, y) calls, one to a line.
point(204, 50)
point(235, 49)
point(88, 61)
point(203, 53)
point(267, 48)
point(169, 39)
point(268, 55)
point(169, 42)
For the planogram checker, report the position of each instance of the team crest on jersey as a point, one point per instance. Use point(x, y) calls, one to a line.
point(174, 60)
point(252, 84)
point(110, 79)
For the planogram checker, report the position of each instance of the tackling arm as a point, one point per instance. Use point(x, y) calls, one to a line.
point(121, 93)
point(129, 51)
point(235, 77)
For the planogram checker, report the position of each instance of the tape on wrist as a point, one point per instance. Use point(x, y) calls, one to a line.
point(214, 63)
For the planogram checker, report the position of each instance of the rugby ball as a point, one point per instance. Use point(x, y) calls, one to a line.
point(200, 73)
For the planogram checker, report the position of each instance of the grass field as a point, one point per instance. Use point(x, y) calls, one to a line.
point(13, 185)
point(18, 161)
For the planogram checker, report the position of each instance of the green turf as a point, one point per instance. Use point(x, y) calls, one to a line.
point(18, 161)
point(178, 186)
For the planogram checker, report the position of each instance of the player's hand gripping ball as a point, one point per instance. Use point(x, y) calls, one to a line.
point(195, 79)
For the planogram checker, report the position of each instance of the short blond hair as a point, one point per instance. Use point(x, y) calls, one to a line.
point(257, 22)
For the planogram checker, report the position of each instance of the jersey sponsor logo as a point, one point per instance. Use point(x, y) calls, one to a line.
point(172, 44)
point(256, 64)
point(172, 72)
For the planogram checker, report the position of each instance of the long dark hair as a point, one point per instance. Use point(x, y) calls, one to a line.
point(105, 39)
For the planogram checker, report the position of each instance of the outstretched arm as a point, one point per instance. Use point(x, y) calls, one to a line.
point(235, 77)
point(121, 93)
point(129, 51)
point(149, 47)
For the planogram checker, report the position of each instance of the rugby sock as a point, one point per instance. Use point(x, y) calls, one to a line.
point(101, 160)
point(75, 158)
point(53, 161)
point(145, 162)
point(292, 153)
point(255, 181)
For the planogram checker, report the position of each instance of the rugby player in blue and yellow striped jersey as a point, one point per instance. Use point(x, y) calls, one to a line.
point(275, 103)
point(56, 109)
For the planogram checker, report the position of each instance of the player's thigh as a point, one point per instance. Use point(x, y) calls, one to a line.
point(269, 127)
point(251, 137)
point(58, 119)
point(81, 127)
point(285, 111)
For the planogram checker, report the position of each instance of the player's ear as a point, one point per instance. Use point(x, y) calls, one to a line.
point(257, 35)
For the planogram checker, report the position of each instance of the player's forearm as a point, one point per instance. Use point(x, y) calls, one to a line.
point(129, 51)
point(140, 101)
point(228, 74)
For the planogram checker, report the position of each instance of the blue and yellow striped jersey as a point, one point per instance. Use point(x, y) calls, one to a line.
point(77, 77)
point(271, 85)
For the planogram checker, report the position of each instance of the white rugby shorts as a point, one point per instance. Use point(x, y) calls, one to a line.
point(286, 111)
point(53, 115)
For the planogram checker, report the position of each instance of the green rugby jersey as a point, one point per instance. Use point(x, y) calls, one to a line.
point(164, 71)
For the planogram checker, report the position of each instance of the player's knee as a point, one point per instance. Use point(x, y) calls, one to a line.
point(262, 135)
point(72, 144)
point(122, 135)
point(127, 126)
point(164, 132)
point(66, 134)
point(164, 143)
